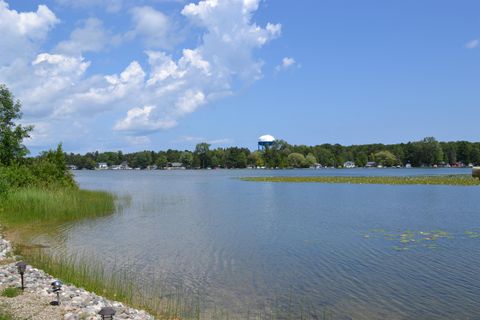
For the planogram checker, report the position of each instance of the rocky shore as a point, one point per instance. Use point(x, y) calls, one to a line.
point(34, 302)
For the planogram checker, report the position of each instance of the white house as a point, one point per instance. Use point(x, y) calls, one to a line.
point(349, 164)
point(102, 165)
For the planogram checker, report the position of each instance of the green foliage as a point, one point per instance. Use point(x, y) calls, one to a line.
point(49, 171)
point(427, 152)
point(186, 158)
point(202, 152)
point(385, 158)
point(11, 292)
point(296, 160)
point(5, 316)
point(32, 205)
point(11, 134)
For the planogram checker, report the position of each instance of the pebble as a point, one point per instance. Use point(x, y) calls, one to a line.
point(76, 303)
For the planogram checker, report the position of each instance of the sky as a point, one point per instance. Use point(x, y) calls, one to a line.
point(151, 75)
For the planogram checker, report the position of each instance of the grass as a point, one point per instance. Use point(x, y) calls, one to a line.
point(54, 206)
point(5, 316)
point(11, 292)
point(451, 180)
point(118, 285)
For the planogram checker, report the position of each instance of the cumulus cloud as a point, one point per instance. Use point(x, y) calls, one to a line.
point(91, 37)
point(472, 44)
point(140, 120)
point(154, 27)
point(153, 92)
point(22, 32)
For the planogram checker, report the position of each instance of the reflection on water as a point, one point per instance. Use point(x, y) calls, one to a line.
point(247, 246)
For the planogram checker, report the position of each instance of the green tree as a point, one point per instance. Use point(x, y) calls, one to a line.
point(161, 161)
point(202, 151)
point(296, 160)
point(385, 158)
point(186, 158)
point(11, 134)
point(310, 160)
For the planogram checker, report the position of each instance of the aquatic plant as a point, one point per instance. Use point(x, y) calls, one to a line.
point(453, 180)
point(33, 206)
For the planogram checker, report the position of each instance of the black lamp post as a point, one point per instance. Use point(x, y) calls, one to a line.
point(56, 288)
point(21, 266)
point(107, 313)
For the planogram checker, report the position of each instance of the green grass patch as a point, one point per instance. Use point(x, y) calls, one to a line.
point(5, 316)
point(451, 180)
point(53, 206)
point(11, 292)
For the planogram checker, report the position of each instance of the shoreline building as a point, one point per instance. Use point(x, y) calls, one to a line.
point(265, 141)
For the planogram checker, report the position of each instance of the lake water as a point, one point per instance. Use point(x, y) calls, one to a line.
point(350, 251)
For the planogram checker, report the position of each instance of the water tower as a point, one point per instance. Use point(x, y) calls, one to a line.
point(265, 141)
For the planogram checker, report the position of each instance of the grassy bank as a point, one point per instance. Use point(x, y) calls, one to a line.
point(452, 180)
point(32, 205)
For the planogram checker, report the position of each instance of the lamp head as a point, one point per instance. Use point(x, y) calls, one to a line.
point(21, 266)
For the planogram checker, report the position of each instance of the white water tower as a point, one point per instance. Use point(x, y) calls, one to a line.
point(265, 141)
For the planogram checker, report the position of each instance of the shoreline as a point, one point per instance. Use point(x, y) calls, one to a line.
point(34, 302)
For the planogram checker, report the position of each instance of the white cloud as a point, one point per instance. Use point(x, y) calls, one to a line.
point(287, 63)
point(472, 44)
point(154, 27)
point(146, 96)
point(140, 120)
point(22, 32)
point(91, 37)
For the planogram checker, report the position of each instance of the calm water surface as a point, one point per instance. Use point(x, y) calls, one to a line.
point(250, 246)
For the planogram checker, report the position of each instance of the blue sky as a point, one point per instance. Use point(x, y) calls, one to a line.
point(133, 75)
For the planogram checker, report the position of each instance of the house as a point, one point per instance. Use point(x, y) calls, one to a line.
point(124, 166)
point(154, 167)
point(371, 164)
point(349, 164)
point(72, 167)
point(408, 166)
point(175, 166)
point(102, 165)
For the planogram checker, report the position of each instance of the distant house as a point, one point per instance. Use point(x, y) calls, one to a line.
point(154, 167)
point(408, 166)
point(102, 165)
point(175, 166)
point(72, 167)
point(124, 166)
point(349, 164)
point(371, 164)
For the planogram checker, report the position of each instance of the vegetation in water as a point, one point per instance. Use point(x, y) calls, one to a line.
point(408, 239)
point(454, 180)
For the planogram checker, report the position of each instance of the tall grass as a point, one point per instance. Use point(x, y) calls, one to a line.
point(53, 206)
point(117, 284)
point(453, 180)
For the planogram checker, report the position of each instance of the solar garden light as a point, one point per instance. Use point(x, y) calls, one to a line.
point(56, 288)
point(21, 266)
point(107, 313)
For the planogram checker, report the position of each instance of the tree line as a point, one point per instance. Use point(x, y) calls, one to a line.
point(427, 152)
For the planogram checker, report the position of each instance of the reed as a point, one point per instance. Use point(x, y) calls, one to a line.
point(451, 180)
point(52, 206)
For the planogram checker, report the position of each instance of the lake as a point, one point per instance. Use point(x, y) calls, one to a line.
point(341, 250)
